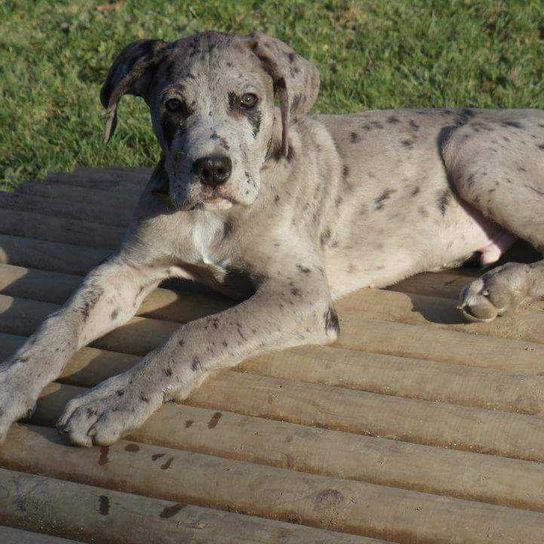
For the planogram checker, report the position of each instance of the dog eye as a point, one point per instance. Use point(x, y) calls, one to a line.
point(248, 101)
point(175, 105)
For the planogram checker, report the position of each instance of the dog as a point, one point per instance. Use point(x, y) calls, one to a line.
point(285, 211)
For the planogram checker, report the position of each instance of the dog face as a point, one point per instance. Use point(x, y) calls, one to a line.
point(211, 98)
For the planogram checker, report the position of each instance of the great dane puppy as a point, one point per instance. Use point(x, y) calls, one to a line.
point(286, 211)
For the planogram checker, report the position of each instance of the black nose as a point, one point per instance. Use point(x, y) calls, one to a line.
point(213, 170)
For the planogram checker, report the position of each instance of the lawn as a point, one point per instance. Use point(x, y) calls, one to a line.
point(371, 53)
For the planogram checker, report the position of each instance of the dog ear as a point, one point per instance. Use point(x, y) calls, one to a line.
point(296, 80)
point(130, 73)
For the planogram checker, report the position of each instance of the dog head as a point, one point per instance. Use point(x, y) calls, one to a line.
point(212, 101)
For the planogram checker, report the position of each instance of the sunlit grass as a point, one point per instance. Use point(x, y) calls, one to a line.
point(371, 54)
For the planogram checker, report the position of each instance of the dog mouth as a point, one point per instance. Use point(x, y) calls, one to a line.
point(217, 202)
point(207, 198)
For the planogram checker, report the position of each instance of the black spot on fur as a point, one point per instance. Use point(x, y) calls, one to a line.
point(132, 448)
point(296, 292)
point(104, 505)
point(331, 321)
point(254, 117)
point(234, 101)
point(280, 84)
point(168, 372)
point(345, 171)
point(196, 364)
point(407, 143)
point(169, 128)
point(277, 199)
point(120, 392)
point(513, 124)
point(304, 269)
point(114, 314)
point(464, 115)
point(325, 236)
point(443, 200)
point(393, 119)
point(169, 68)
point(415, 191)
point(372, 125)
point(380, 200)
point(90, 298)
point(541, 147)
point(535, 190)
point(290, 153)
point(143, 398)
point(413, 125)
point(354, 137)
point(296, 102)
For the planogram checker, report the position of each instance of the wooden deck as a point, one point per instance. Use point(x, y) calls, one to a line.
point(413, 428)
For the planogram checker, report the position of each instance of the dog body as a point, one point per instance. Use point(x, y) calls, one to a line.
point(286, 211)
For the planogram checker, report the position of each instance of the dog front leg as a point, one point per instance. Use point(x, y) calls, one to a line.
point(108, 297)
point(278, 316)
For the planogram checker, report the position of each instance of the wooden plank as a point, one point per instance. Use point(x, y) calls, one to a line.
point(114, 172)
point(107, 516)
point(60, 208)
point(450, 346)
point(441, 313)
point(315, 450)
point(9, 535)
point(324, 502)
point(382, 374)
point(386, 374)
point(56, 287)
point(446, 283)
point(70, 193)
point(53, 256)
point(376, 373)
point(141, 335)
point(371, 303)
point(58, 229)
point(116, 181)
point(405, 377)
point(411, 420)
point(183, 303)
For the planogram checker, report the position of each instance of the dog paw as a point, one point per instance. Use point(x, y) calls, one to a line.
point(496, 293)
point(108, 412)
point(17, 396)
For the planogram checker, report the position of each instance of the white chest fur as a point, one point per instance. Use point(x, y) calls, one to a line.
point(207, 231)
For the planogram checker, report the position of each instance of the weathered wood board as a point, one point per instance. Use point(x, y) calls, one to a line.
point(413, 428)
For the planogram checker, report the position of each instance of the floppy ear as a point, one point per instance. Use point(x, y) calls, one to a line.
point(296, 80)
point(130, 73)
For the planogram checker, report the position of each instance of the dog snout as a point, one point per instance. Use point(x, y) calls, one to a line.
point(213, 170)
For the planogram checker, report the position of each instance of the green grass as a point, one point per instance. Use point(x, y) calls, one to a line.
point(371, 53)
